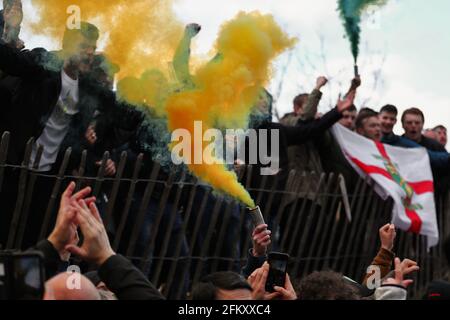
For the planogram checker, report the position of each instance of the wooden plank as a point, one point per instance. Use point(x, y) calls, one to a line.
point(294, 214)
point(54, 198)
point(20, 195)
point(157, 221)
point(194, 234)
point(353, 226)
point(4, 144)
point(80, 172)
point(302, 217)
point(29, 197)
point(313, 263)
point(129, 200)
point(209, 233)
point(220, 240)
point(168, 234)
point(115, 188)
point(100, 175)
point(139, 222)
point(180, 240)
point(329, 223)
point(301, 247)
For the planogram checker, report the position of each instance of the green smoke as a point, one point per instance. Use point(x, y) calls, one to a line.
point(351, 12)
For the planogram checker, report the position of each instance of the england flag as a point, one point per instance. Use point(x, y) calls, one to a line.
point(403, 174)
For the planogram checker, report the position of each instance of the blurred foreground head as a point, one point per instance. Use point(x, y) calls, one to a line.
point(222, 286)
point(70, 286)
point(327, 285)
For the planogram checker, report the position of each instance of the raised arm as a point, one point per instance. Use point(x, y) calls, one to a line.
point(13, 16)
point(182, 55)
point(305, 131)
point(310, 109)
point(19, 63)
point(117, 272)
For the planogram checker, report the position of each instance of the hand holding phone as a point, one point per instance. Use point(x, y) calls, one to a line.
point(277, 272)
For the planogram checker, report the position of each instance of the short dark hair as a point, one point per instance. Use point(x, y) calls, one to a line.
point(326, 285)
point(368, 110)
point(439, 127)
point(352, 108)
point(414, 111)
point(299, 100)
point(87, 30)
point(389, 108)
point(364, 114)
point(207, 288)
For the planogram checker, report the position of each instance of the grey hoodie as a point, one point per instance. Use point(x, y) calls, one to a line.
point(390, 292)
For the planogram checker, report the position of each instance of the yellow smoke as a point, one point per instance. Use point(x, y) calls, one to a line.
point(140, 34)
point(228, 88)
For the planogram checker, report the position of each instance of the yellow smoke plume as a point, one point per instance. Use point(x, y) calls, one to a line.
point(227, 89)
point(140, 34)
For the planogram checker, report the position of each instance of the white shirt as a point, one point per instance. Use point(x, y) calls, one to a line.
point(57, 125)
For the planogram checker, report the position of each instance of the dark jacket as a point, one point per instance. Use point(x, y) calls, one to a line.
point(127, 282)
point(253, 263)
point(118, 273)
point(289, 136)
point(441, 175)
point(31, 91)
point(52, 260)
point(431, 144)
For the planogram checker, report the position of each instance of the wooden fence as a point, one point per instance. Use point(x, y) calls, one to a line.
point(193, 231)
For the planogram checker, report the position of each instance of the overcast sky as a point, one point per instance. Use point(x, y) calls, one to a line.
point(406, 43)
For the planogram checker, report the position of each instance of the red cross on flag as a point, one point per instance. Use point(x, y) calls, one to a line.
point(403, 174)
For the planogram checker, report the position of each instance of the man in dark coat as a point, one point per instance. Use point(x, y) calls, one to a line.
point(48, 97)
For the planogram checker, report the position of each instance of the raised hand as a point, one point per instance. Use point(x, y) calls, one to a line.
point(398, 280)
point(13, 16)
point(287, 293)
point(96, 247)
point(91, 135)
point(65, 231)
point(387, 236)
point(356, 83)
point(348, 101)
point(261, 240)
point(320, 82)
point(408, 266)
point(110, 168)
point(193, 29)
point(257, 281)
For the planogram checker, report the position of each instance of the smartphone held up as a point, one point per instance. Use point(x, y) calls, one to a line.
point(278, 263)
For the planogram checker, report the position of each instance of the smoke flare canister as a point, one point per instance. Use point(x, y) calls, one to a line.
point(356, 70)
point(256, 215)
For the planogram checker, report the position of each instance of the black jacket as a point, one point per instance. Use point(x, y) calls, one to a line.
point(52, 260)
point(288, 136)
point(118, 273)
point(127, 282)
point(30, 92)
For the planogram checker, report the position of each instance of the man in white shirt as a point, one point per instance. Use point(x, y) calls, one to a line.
point(46, 103)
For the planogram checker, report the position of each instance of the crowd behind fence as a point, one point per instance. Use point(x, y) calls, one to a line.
point(330, 228)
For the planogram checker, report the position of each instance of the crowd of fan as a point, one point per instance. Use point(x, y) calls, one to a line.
point(114, 277)
point(66, 99)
